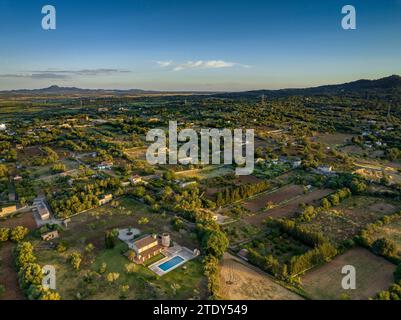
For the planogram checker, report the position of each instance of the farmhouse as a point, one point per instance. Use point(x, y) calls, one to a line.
point(105, 199)
point(43, 212)
point(7, 210)
point(325, 169)
point(146, 248)
point(136, 179)
point(105, 165)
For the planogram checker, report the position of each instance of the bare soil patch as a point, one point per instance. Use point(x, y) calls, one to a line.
point(240, 282)
point(373, 274)
point(291, 208)
point(335, 138)
point(283, 194)
point(8, 275)
point(25, 219)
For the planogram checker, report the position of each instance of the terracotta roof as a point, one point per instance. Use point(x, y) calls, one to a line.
point(145, 241)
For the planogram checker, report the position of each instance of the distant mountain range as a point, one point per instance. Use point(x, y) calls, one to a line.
point(56, 90)
point(383, 86)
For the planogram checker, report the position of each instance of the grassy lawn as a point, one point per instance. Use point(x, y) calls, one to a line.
point(153, 260)
point(91, 225)
point(186, 282)
point(207, 172)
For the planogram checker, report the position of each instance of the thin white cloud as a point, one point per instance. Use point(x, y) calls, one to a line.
point(63, 74)
point(200, 64)
point(164, 64)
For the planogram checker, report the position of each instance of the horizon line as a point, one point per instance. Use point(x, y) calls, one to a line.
point(192, 91)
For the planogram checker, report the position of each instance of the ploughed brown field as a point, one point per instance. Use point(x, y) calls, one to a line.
point(240, 282)
point(276, 197)
point(290, 208)
point(24, 219)
point(240, 180)
point(373, 274)
point(8, 275)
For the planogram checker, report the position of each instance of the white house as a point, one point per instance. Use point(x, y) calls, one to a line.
point(105, 199)
point(43, 211)
point(137, 180)
point(105, 165)
point(325, 169)
point(3, 127)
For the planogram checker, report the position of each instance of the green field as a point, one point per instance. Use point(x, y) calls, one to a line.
point(182, 283)
point(89, 228)
point(351, 216)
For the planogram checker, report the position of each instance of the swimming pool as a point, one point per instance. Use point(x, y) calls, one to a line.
point(171, 263)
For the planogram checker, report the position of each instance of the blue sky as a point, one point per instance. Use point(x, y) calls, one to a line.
point(197, 45)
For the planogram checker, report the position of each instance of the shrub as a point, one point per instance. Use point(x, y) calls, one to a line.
point(75, 260)
point(384, 247)
point(4, 234)
point(112, 277)
point(130, 268)
point(103, 268)
point(111, 238)
point(18, 233)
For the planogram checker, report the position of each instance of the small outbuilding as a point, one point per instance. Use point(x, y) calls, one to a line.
point(50, 235)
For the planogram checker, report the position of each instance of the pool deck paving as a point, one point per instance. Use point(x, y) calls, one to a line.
point(170, 253)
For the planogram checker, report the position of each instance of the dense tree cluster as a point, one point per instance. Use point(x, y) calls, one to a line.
point(25, 191)
point(233, 194)
point(50, 156)
point(326, 203)
point(59, 167)
point(214, 243)
point(381, 246)
point(322, 251)
point(16, 234)
point(30, 274)
point(82, 196)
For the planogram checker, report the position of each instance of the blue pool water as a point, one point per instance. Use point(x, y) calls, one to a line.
point(171, 263)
